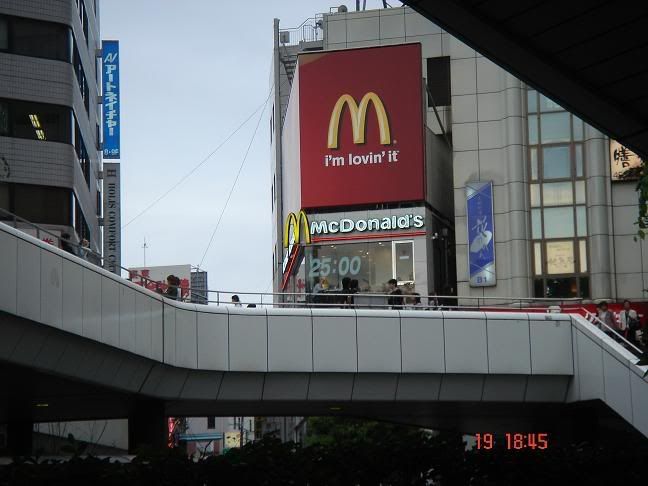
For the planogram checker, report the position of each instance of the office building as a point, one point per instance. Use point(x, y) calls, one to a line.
point(50, 165)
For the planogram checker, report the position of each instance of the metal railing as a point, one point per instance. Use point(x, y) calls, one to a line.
point(52, 238)
point(308, 31)
point(594, 319)
point(342, 299)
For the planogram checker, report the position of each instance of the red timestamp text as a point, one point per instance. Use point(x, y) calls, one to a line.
point(513, 441)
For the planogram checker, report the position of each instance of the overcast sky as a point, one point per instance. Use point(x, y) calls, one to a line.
point(191, 72)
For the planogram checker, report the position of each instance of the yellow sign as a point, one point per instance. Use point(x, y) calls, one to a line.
point(358, 115)
point(296, 223)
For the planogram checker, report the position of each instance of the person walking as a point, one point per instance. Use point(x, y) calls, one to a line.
point(606, 317)
point(395, 299)
point(629, 322)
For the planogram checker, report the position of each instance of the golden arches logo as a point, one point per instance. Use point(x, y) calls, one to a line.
point(296, 222)
point(358, 119)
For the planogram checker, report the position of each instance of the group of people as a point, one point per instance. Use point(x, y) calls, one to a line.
point(628, 325)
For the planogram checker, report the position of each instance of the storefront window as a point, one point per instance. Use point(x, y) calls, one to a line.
point(371, 264)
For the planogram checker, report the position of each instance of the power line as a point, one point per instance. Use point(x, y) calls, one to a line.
point(229, 196)
point(186, 176)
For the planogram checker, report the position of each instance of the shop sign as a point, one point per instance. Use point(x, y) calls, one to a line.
point(481, 234)
point(347, 225)
point(625, 165)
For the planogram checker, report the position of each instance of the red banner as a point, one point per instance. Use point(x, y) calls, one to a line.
point(361, 126)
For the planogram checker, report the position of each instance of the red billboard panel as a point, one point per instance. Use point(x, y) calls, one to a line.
point(361, 126)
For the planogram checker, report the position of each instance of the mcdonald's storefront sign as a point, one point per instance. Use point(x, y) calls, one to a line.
point(296, 230)
point(361, 126)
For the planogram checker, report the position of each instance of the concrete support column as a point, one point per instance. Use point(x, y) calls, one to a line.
point(598, 213)
point(147, 426)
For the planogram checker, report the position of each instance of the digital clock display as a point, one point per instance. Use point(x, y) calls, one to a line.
point(513, 441)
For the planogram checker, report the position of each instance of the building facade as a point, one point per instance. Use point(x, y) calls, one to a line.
point(49, 115)
point(559, 219)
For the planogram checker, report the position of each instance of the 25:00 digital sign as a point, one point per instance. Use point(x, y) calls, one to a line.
point(323, 267)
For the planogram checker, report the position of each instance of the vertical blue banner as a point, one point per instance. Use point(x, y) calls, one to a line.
point(481, 234)
point(111, 99)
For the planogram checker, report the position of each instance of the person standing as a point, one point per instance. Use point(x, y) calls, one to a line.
point(629, 322)
point(395, 299)
point(173, 287)
point(236, 301)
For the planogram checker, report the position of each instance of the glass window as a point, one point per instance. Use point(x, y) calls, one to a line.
point(404, 262)
point(438, 81)
point(40, 39)
point(4, 34)
point(582, 247)
point(578, 128)
point(584, 290)
point(562, 287)
point(548, 105)
point(532, 101)
point(556, 162)
point(369, 263)
point(4, 197)
point(555, 127)
point(578, 154)
point(40, 121)
point(42, 204)
point(581, 221)
point(557, 194)
point(537, 256)
point(533, 129)
point(211, 422)
point(4, 118)
point(560, 257)
point(559, 222)
point(534, 163)
point(580, 192)
point(535, 194)
point(538, 288)
point(536, 224)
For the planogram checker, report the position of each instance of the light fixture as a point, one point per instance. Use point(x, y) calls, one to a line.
point(335, 409)
point(40, 134)
point(35, 121)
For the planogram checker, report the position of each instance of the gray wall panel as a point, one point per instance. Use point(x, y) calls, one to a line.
point(290, 343)
point(423, 345)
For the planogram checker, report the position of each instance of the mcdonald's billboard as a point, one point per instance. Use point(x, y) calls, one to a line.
point(361, 130)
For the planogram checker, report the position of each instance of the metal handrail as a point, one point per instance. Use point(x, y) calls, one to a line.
point(590, 315)
point(82, 250)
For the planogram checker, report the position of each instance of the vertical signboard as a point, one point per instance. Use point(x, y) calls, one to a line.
point(481, 234)
point(112, 217)
point(111, 100)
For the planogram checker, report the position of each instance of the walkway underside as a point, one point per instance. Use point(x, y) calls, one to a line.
point(54, 376)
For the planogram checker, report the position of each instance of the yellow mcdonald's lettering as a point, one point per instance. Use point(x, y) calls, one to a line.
point(358, 115)
point(297, 223)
